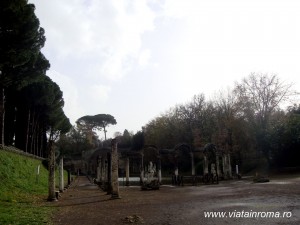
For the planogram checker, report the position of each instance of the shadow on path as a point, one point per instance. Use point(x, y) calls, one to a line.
point(81, 192)
point(85, 203)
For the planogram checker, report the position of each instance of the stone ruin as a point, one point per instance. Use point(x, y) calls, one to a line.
point(112, 163)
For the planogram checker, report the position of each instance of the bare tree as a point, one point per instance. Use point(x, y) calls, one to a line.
point(262, 94)
point(259, 96)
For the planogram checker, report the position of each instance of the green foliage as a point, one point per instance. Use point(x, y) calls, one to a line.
point(96, 122)
point(34, 102)
point(73, 143)
point(56, 120)
point(39, 109)
point(138, 140)
point(284, 138)
point(21, 39)
point(247, 122)
point(179, 124)
point(125, 140)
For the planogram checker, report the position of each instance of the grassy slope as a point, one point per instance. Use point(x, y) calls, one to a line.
point(21, 193)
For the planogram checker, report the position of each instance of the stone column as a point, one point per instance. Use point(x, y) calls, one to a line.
point(98, 169)
point(192, 163)
point(127, 170)
point(69, 177)
point(61, 174)
point(176, 173)
point(142, 169)
point(237, 169)
point(205, 165)
point(224, 165)
point(108, 171)
point(114, 170)
point(103, 170)
point(218, 165)
point(98, 174)
point(229, 166)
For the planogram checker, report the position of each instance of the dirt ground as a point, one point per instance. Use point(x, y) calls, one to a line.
point(244, 202)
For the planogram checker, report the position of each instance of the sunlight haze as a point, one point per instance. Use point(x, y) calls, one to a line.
point(134, 59)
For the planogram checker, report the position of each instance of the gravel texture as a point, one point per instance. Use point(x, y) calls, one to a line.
point(85, 204)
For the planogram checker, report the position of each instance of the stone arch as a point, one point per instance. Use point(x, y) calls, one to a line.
point(216, 156)
point(182, 156)
point(150, 163)
point(150, 153)
point(210, 155)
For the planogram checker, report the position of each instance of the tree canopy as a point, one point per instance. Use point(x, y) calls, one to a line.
point(31, 104)
point(247, 121)
point(98, 122)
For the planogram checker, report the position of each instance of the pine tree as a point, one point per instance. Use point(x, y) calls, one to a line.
point(21, 39)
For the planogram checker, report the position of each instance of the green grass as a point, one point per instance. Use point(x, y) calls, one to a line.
point(22, 193)
point(24, 213)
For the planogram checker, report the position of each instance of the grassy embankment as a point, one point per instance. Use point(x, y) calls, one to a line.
point(22, 193)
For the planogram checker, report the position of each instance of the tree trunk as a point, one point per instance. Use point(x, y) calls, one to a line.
point(127, 171)
point(40, 137)
point(34, 122)
point(51, 168)
point(142, 169)
point(34, 136)
point(36, 146)
point(61, 174)
point(192, 163)
point(2, 114)
point(44, 143)
point(27, 132)
point(104, 132)
point(32, 132)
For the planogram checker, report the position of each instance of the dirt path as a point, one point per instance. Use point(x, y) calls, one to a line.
point(85, 204)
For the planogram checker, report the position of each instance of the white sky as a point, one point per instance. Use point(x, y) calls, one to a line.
point(134, 59)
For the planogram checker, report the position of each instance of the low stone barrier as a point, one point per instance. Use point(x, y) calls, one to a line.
point(20, 152)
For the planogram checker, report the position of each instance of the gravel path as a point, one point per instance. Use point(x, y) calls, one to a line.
point(240, 201)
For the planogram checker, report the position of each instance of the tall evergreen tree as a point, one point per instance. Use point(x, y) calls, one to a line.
point(21, 39)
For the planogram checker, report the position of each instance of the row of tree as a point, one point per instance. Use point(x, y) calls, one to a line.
point(31, 104)
point(247, 121)
point(83, 137)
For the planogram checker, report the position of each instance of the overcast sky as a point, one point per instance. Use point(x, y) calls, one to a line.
point(134, 59)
